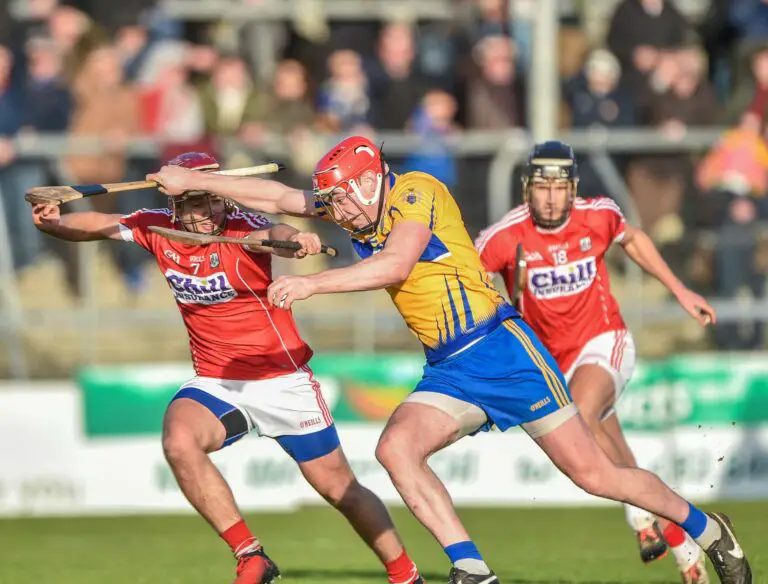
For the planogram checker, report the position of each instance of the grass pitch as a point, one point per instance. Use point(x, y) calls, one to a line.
point(316, 546)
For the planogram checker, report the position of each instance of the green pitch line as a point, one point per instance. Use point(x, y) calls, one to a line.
point(315, 546)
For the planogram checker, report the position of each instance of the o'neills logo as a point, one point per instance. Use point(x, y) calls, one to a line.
point(565, 280)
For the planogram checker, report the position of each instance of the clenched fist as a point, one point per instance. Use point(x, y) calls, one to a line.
point(175, 180)
point(45, 216)
point(310, 244)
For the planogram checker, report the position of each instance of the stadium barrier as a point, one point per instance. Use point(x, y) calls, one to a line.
point(92, 446)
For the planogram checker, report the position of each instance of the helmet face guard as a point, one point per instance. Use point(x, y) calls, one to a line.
point(210, 221)
point(550, 163)
point(337, 178)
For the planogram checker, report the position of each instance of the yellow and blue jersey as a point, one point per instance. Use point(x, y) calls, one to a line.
point(478, 349)
point(448, 299)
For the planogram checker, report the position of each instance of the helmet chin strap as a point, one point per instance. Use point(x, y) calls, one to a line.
point(380, 186)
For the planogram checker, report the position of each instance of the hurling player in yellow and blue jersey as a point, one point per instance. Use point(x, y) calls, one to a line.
point(484, 364)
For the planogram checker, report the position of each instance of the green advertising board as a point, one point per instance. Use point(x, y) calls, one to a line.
point(708, 389)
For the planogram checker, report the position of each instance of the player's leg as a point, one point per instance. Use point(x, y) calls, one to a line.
point(593, 390)
point(190, 432)
point(332, 477)
point(597, 379)
point(564, 436)
point(594, 393)
point(424, 424)
point(688, 555)
point(576, 453)
point(292, 410)
point(198, 421)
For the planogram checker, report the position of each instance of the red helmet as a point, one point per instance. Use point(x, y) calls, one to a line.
point(195, 161)
point(342, 167)
point(203, 162)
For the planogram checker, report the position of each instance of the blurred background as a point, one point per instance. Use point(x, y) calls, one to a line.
point(665, 102)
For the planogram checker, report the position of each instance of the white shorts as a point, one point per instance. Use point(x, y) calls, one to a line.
point(286, 407)
point(613, 351)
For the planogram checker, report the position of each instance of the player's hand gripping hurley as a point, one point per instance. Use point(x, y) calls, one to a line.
point(518, 281)
point(191, 238)
point(57, 195)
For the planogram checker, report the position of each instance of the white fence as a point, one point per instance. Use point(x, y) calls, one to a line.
point(50, 466)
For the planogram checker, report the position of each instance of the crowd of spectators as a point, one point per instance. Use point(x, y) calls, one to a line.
point(122, 71)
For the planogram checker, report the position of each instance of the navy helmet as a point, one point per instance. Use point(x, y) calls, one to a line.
point(551, 161)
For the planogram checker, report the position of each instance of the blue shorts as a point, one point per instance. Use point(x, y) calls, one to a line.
point(509, 374)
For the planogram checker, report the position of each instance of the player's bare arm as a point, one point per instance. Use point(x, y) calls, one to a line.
point(264, 195)
point(87, 226)
point(310, 242)
point(641, 249)
point(392, 265)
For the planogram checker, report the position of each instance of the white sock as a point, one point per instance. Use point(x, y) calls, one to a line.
point(687, 553)
point(712, 533)
point(638, 519)
point(247, 546)
point(473, 566)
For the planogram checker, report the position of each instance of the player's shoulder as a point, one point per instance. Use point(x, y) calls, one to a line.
point(513, 223)
point(596, 206)
point(417, 183)
point(241, 221)
point(161, 217)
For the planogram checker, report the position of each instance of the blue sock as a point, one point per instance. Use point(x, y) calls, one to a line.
point(462, 551)
point(695, 523)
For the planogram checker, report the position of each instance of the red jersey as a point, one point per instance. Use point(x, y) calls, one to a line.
point(567, 300)
point(221, 292)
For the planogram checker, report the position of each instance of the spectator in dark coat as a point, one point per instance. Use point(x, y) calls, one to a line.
point(596, 99)
point(751, 91)
point(749, 18)
point(20, 106)
point(639, 30)
point(595, 96)
point(660, 183)
point(47, 100)
point(495, 94)
point(396, 85)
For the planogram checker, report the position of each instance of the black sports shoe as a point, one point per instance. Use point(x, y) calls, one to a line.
point(727, 557)
point(463, 577)
point(651, 543)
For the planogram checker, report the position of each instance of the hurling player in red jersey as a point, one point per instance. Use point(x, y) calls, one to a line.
point(251, 368)
point(567, 301)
